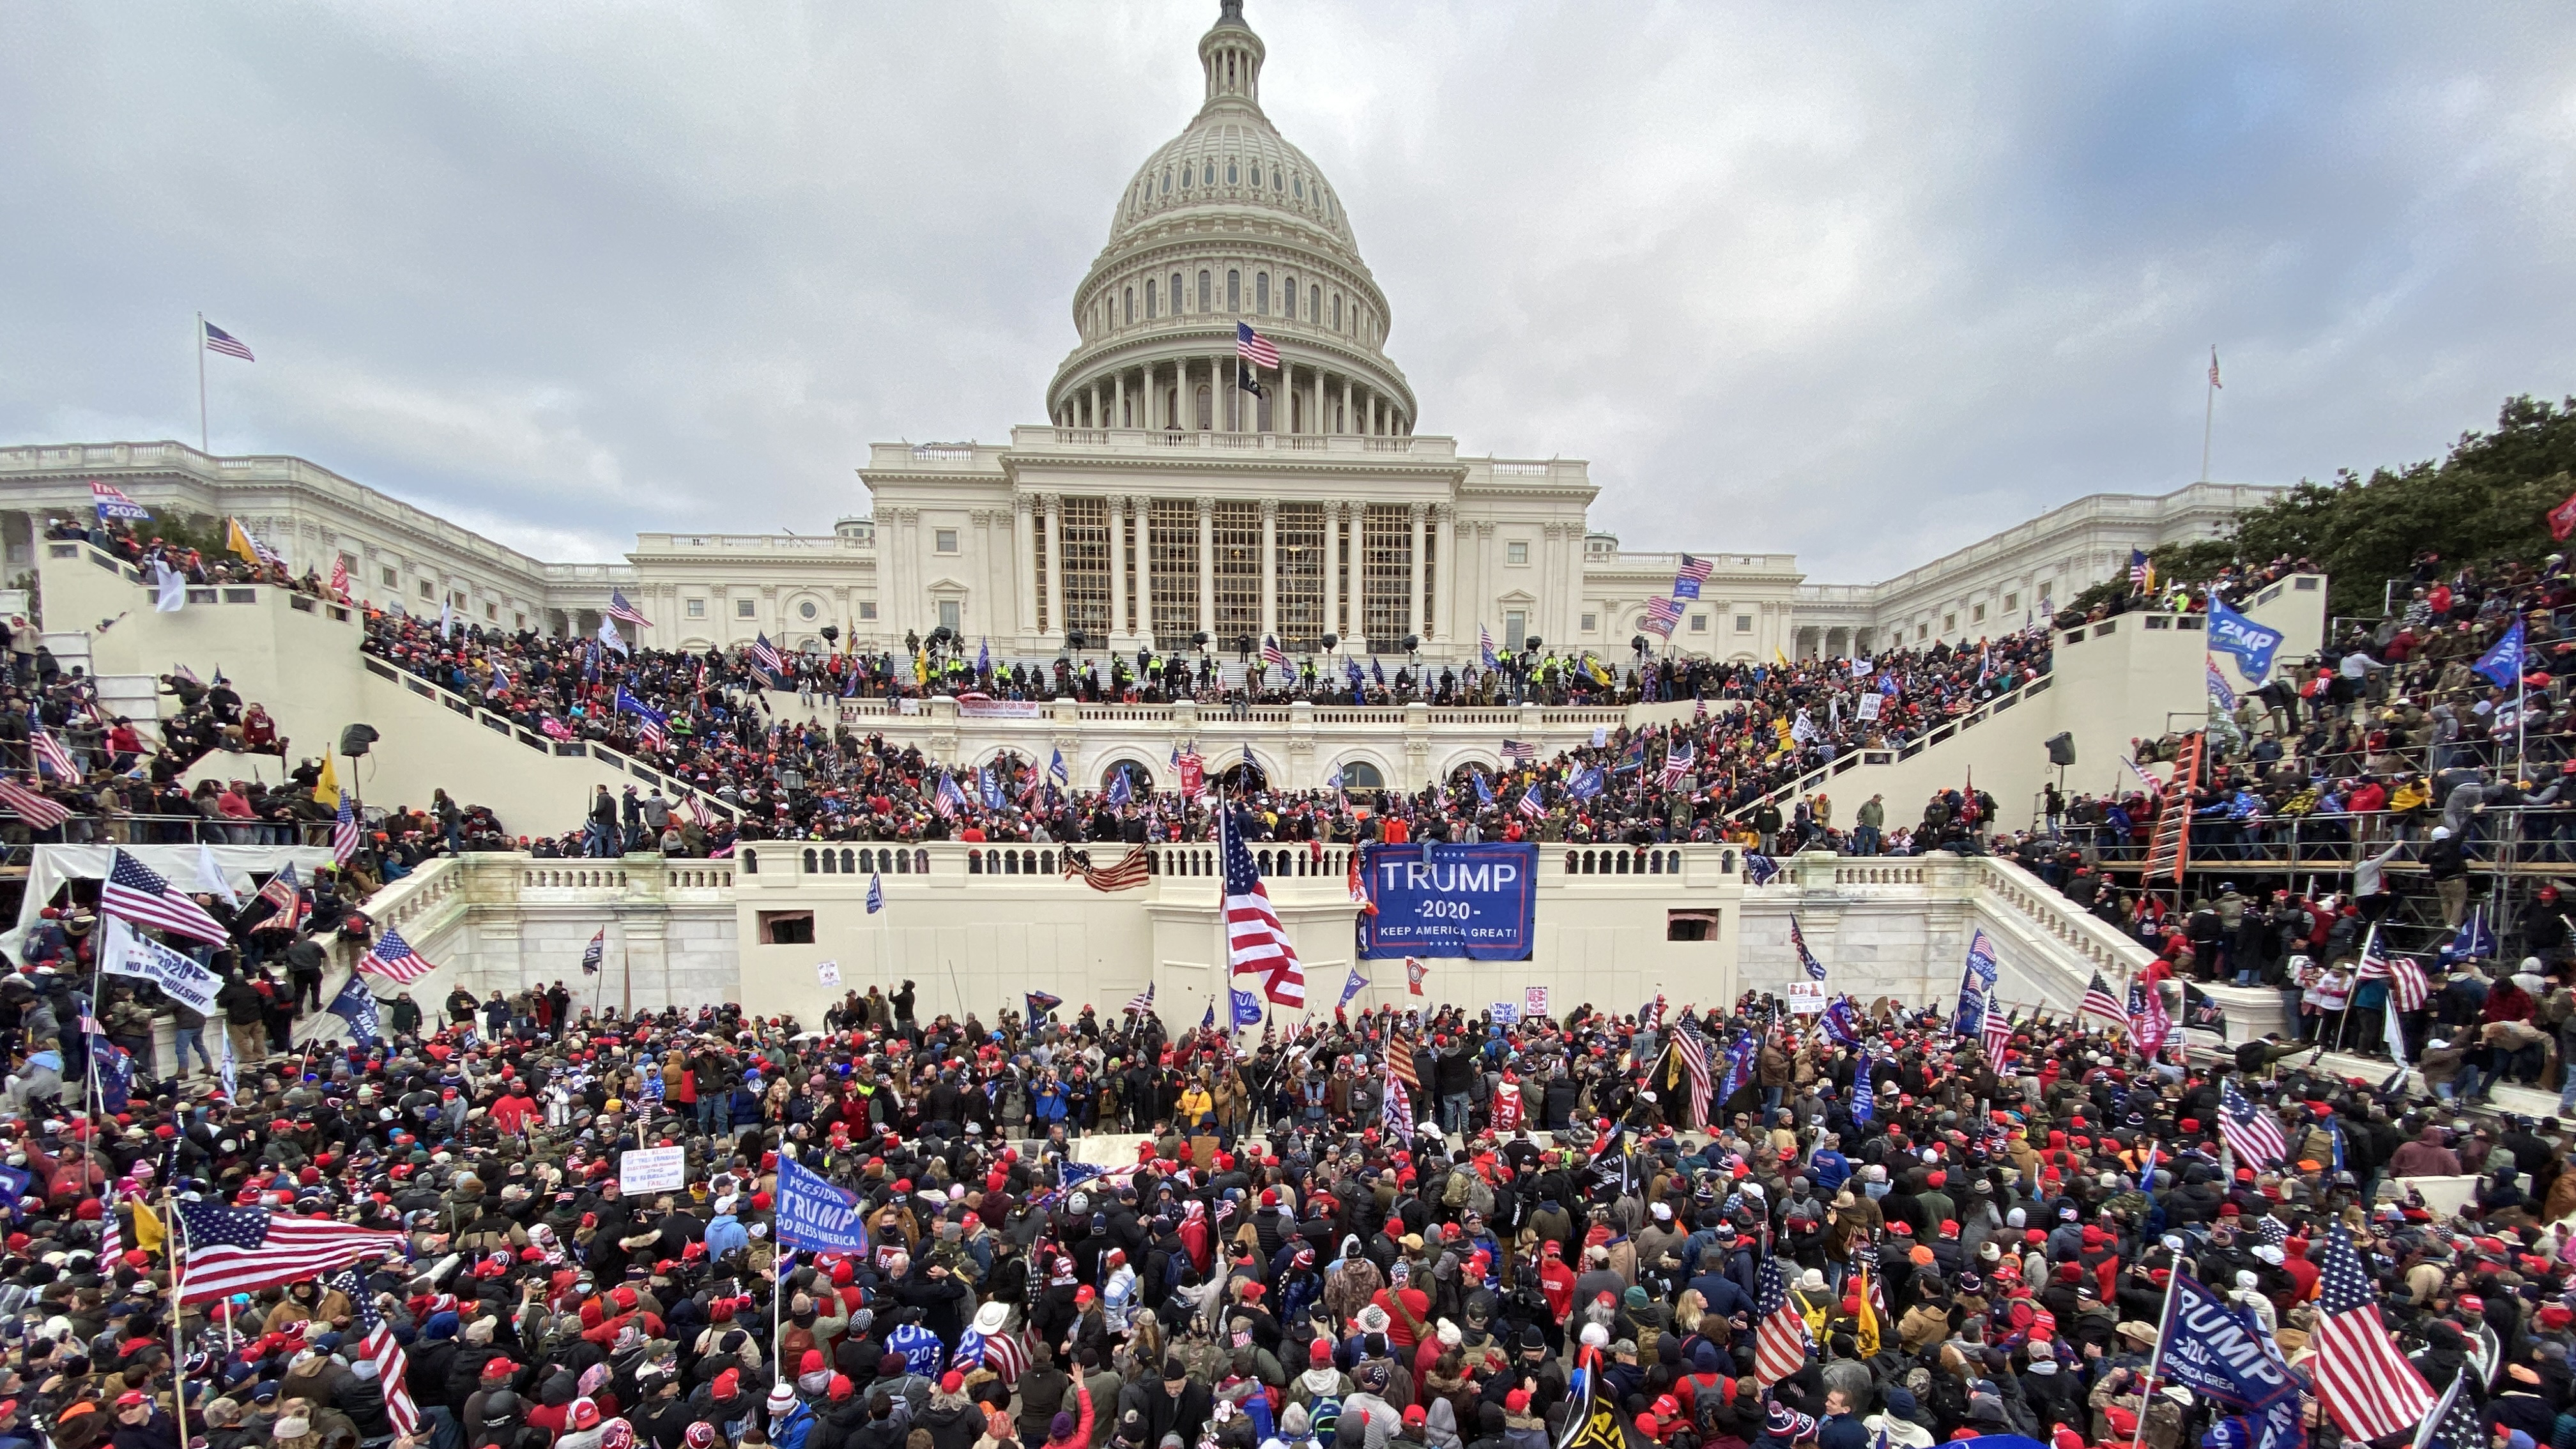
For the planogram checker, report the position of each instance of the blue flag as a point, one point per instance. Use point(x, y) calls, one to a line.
point(1806, 958)
point(1841, 1023)
point(1352, 987)
point(1056, 768)
point(2232, 633)
point(1484, 792)
point(876, 893)
point(357, 1006)
point(1120, 792)
point(1377, 671)
point(1208, 1020)
point(2214, 1348)
point(1759, 868)
point(1864, 1092)
point(1247, 1007)
point(2473, 939)
point(983, 656)
point(2503, 663)
point(813, 1213)
point(1585, 785)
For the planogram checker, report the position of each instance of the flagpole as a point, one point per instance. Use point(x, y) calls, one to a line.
point(178, 1341)
point(2155, 1359)
point(2208, 418)
point(201, 405)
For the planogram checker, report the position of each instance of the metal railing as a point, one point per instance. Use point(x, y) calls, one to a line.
point(1890, 753)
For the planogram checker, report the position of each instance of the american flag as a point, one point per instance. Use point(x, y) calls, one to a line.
point(2457, 1423)
point(1677, 762)
point(1131, 871)
point(1693, 1050)
point(111, 1232)
point(1272, 656)
point(394, 959)
point(1699, 706)
point(242, 1250)
point(1530, 805)
point(344, 831)
point(1521, 752)
point(135, 893)
point(1254, 348)
point(1142, 1003)
point(2362, 1376)
point(1396, 1113)
point(1484, 649)
point(1806, 958)
point(1995, 1030)
point(651, 725)
point(51, 757)
point(2213, 369)
point(1255, 943)
point(40, 812)
point(1780, 1331)
point(624, 612)
point(950, 799)
point(283, 891)
point(1694, 572)
point(2407, 986)
point(218, 340)
point(1650, 1017)
point(393, 1367)
point(2098, 1001)
point(111, 502)
point(595, 953)
point(1399, 1056)
point(2138, 569)
point(1661, 616)
point(766, 656)
point(2252, 1132)
point(340, 576)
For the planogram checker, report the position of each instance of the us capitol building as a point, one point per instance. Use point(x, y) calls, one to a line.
point(1175, 490)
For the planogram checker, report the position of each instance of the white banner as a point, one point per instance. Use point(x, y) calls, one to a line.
point(1869, 704)
point(653, 1169)
point(828, 972)
point(123, 953)
point(1807, 998)
point(1534, 1001)
point(1000, 709)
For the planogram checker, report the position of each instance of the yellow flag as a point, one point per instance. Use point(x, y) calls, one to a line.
point(237, 539)
point(1865, 1333)
point(148, 1233)
point(326, 787)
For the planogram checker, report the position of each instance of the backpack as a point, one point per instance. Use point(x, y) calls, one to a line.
point(1321, 1416)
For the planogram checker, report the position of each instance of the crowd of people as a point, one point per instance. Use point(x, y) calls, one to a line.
point(1428, 1229)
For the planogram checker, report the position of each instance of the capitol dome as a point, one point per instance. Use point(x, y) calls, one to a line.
point(1228, 224)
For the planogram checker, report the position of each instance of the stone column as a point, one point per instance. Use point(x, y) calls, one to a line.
point(1207, 566)
point(1117, 567)
point(1118, 399)
point(1321, 425)
point(1350, 413)
point(1048, 530)
point(1024, 594)
point(1269, 567)
point(1144, 509)
point(1414, 594)
point(1444, 585)
point(1332, 566)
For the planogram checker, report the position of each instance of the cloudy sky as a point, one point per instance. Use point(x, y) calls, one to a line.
point(1865, 282)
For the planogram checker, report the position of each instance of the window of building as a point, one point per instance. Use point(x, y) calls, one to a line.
point(1150, 313)
point(1167, 181)
point(1082, 551)
point(1231, 175)
point(742, 608)
point(1297, 539)
point(787, 928)
point(389, 578)
point(1516, 553)
point(1361, 775)
point(868, 609)
point(1337, 311)
point(1690, 925)
point(1744, 623)
point(1235, 533)
point(1207, 297)
point(952, 614)
point(1591, 622)
point(943, 540)
point(457, 598)
point(807, 609)
point(492, 613)
point(1699, 623)
point(1288, 297)
point(1949, 623)
point(1515, 629)
point(428, 589)
point(1978, 614)
point(1256, 173)
point(519, 621)
point(1922, 631)
point(1261, 293)
point(1386, 577)
point(695, 608)
point(2012, 601)
point(1233, 291)
point(1172, 564)
point(1131, 306)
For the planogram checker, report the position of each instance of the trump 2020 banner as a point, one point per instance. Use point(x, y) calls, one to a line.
point(1477, 901)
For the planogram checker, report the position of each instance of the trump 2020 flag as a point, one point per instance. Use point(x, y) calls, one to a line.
point(1352, 986)
point(814, 1213)
point(876, 893)
point(357, 1006)
point(1247, 1006)
point(2503, 663)
point(2232, 633)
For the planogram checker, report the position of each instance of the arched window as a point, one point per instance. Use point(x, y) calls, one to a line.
point(1139, 779)
point(1233, 290)
point(903, 862)
point(1361, 775)
point(1149, 301)
point(1297, 187)
point(974, 862)
point(1207, 291)
point(1010, 863)
point(1278, 183)
point(1229, 172)
point(1206, 414)
point(1261, 293)
point(1570, 862)
point(1256, 173)
point(1337, 312)
point(809, 860)
point(1288, 297)
point(1046, 862)
point(751, 862)
point(921, 862)
point(1207, 174)
point(1131, 306)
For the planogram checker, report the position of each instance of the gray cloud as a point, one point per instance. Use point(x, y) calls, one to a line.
point(1865, 284)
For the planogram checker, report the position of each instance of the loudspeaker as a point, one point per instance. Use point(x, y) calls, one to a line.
point(355, 739)
point(2061, 748)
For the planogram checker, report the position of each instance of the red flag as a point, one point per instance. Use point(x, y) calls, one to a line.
point(2562, 519)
